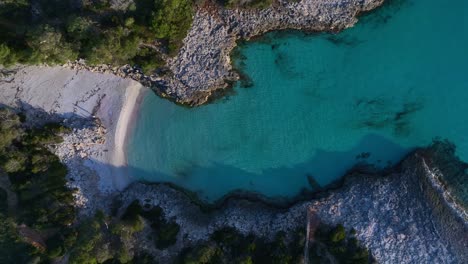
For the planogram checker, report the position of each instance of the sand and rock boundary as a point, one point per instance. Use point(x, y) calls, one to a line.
point(406, 216)
point(100, 109)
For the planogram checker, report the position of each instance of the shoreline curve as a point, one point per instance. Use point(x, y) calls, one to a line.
point(126, 123)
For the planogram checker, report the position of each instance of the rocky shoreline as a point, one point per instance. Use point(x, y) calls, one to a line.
point(406, 216)
point(402, 217)
point(409, 215)
point(203, 65)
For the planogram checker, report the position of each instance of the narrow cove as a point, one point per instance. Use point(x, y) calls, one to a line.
point(317, 106)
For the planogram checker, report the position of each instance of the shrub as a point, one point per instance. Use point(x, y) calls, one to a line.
point(95, 32)
point(144, 258)
point(49, 45)
point(3, 201)
point(165, 232)
point(225, 236)
point(343, 247)
point(133, 211)
point(78, 28)
point(132, 219)
point(89, 237)
point(200, 255)
point(141, 60)
point(227, 245)
point(172, 20)
point(166, 236)
point(129, 22)
point(338, 234)
point(10, 129)
point(55, 247)
point(117, 46)
point(36, 174)
point(15, 163)
point(248, 4)
point(12, 249)
point(7, 56)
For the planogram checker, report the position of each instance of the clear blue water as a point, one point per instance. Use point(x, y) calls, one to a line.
point(319, 104)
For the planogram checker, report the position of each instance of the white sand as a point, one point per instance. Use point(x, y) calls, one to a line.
point(123, 129)
point(82, 93)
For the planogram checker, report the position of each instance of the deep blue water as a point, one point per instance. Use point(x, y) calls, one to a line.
point(317, 106)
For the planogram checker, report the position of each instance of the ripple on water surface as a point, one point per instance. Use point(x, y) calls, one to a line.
point(317, 106)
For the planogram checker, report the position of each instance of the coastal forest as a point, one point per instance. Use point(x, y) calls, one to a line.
point(56, 31)
point(40, 224)
point(140, 33)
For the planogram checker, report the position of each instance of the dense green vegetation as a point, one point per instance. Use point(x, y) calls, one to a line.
point(36, 175)
point(332, 245)
point(164, 232)
point(55, 31)
point(39, 225)
point(106, 238)
point(42, 225)
point(3, 202)
point(101, 239)
point(343, 247)
point(229, 246)
point(172, 20)
point(12, 248)
point(249, 4)
point(43, 203)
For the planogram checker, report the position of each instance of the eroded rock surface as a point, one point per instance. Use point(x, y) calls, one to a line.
point(203, 64)
point(403, 217)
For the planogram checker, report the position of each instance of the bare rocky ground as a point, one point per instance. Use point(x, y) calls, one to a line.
point(203, 64)
point(402, 217)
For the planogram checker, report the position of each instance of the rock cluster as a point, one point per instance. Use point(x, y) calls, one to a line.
point(75, 149)
point(203, 64)
point(392, 214)
point(125, 71)
point(396, 218)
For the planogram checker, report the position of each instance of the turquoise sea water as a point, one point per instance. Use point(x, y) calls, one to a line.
point(317, 106)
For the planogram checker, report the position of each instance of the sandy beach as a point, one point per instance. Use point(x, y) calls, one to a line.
point(127, 119)
point(96, 159)
point(82, 95)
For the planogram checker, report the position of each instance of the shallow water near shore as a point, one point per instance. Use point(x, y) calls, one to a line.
point(317, 106)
